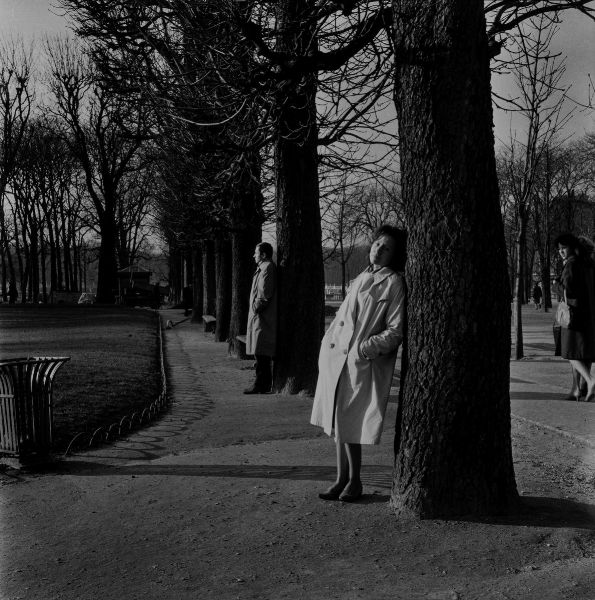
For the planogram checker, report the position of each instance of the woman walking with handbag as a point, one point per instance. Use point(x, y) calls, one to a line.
point(578, 328)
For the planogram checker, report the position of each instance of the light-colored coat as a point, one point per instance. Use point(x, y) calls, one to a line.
point(261, 333)
point(357, 358)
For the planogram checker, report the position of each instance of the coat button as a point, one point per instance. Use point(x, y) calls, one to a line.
point(344, 351)
point(332, 345)
point(342, 323)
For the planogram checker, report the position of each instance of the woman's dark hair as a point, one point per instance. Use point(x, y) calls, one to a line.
point(266, 249)
point(400, 237)
point(568, 239)
point(582, 246)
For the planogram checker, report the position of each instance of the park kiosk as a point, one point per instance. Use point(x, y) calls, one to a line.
point(26, 410)
point(134, 286)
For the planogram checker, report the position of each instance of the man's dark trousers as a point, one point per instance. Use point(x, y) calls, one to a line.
point(264, 373)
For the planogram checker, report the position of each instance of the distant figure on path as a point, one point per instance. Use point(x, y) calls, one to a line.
point(537, 294)
point(13, 294)
point(261, 338)
point(578, 282)
point(357, 360)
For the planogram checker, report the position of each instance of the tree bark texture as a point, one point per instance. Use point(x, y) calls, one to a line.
point(520, 286)
point(242, 269)
point(208, 277)
point(299, 237)
point(175, 273)
point(107, 267)
point(453, 447)
point(197, 282)
point(223, 284)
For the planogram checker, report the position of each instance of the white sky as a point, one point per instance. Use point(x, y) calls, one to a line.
point(576, 39)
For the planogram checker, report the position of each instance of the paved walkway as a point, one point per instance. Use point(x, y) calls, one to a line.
point(144, 508)
point(540, 382)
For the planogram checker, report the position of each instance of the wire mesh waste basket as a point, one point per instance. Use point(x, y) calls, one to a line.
point(26, 404)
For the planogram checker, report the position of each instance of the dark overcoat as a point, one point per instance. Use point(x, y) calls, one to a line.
point(578, 280)
point(261, 334)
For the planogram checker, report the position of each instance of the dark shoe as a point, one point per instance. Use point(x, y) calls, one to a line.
point(333, 493)
point(352, 496)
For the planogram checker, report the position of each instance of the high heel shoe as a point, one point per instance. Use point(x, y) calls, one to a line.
point(333, 493)
point(352, 496)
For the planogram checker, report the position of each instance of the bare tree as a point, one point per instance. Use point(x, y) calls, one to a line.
point(16, 102)
point(565, 175)
point(105, 133)
point(453, 447)
point(539, 78)
point(342, 229)
point(190, 64)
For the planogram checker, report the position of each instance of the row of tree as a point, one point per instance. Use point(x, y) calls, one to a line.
point(541, 177)
point(231, 90)
point(75, 183)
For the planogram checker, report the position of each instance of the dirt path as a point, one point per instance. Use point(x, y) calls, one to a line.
point(218, 501)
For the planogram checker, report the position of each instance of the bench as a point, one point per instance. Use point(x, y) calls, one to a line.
point(210, 321)
point(26, 404)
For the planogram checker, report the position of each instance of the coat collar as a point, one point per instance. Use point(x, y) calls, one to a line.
point(262, 264)
point(380, 274)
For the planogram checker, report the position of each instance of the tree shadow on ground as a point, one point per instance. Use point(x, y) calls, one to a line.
point(539, 511)
point(533, 511)
point(372, 475)
point(539, 396)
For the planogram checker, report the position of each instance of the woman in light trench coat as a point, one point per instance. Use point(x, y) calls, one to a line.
point(357, 360)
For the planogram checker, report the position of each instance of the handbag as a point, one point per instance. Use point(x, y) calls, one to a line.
point(563, 315)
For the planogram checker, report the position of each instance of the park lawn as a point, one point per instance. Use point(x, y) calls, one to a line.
point(114, 368)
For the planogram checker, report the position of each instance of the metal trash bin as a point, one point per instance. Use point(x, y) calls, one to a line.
point(26, 404)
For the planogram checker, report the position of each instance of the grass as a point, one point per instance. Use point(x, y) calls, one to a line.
point(114, 367)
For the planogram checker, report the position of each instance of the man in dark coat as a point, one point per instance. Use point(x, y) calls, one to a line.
point(537, 293)
point(261, 336)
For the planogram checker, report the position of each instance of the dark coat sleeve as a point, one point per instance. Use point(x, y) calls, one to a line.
point(578, 280)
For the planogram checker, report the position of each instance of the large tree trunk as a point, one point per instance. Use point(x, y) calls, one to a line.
point(243, 242)
point(299, 237)
point(4, 282)
point(520, 285)
point(223, 283)
point(197, 283)
point(107, 267)
point(57, 257)
point(546, 287)
point(43, 274)
point(453, 446)
point(208, 278)
point(34, 262)
point(175, 276)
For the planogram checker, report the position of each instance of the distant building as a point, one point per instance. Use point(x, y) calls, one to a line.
point(134, 286)
point(574, 213)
